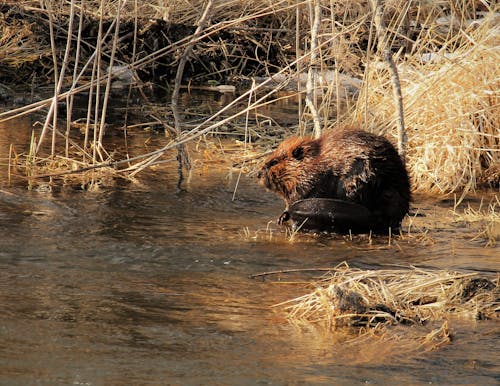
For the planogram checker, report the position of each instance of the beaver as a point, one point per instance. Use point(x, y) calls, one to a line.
point(349, 165)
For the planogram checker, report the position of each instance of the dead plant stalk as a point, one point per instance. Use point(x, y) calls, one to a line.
point(58, 78)
point(385, 49)
point(312, 73)
point(182, 155)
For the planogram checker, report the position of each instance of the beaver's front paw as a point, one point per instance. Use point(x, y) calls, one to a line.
point(284, 217)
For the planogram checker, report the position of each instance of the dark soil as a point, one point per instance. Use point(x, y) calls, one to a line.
point(219, 57)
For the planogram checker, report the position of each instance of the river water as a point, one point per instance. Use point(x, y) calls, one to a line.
point(137, 284)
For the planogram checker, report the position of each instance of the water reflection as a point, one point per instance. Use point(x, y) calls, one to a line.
point(137, 284)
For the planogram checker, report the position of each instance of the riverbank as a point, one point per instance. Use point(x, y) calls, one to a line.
point(252, 57)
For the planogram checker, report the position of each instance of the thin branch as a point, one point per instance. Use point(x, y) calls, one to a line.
point(110, 71)
point(182, 155)
point(312, 71)
point(384, 48)
point(292, 270)
point(182, 63)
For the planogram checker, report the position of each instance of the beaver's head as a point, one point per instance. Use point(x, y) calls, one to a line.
point(289, 170)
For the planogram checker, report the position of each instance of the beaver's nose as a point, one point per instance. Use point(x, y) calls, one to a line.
point(260, 174)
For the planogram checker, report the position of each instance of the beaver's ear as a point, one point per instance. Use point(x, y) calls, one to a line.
point(307, 148)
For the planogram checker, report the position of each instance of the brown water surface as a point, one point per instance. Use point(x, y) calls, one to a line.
point(137, 284)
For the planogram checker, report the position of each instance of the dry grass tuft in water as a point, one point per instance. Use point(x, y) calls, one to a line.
point(367, 299)
point(488, 219)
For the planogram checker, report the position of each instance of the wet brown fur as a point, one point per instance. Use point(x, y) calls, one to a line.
point(346, 164)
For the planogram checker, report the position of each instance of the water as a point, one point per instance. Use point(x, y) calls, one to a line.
point(137, 284)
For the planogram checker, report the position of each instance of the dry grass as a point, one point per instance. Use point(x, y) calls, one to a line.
point(452, 111)
point(17, 43)
point(487, 217)
point(367, 299)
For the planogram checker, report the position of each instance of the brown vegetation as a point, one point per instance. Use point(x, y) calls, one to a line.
point(374, 302)
point(349, 296)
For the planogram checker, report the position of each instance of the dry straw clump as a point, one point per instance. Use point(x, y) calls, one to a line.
point(18, 43)
point(452, 115)
point(487, 217)
point(366, 298)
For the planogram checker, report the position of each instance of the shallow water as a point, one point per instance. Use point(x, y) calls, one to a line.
point(137, 284)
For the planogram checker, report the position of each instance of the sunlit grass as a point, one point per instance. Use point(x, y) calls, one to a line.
point(486, 217)
point(352, 297)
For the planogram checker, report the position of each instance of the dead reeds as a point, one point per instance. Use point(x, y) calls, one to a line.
point(487, 216)
point(351, 297)
point(452, 105)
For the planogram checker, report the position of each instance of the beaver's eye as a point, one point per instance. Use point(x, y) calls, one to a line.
point(272, 163)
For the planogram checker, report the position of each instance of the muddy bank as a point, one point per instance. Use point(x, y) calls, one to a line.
point(218, 57)
point(240, 45)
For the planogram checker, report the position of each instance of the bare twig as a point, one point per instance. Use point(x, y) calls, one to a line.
point(58, 78)
point(384, 48)
point(70, 98)
point(312, 73)
point(110, 70)
point(182, 155)
point(292, 270)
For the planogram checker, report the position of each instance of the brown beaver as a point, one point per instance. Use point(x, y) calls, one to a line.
point(349, 165)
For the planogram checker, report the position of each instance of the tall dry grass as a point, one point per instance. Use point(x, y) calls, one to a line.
point(452, 110)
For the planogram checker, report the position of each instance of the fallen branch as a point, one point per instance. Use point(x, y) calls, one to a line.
point(269, 273)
